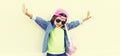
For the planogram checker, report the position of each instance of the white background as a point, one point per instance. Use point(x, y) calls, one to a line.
point(99, 36)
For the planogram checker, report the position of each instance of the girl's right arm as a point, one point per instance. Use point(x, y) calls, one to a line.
point(38, 20)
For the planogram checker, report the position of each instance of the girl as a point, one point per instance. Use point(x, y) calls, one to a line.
point(56, 41)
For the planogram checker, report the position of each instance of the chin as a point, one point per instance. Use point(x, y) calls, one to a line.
point(59, 26)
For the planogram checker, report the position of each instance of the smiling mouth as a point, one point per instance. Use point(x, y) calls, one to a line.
point(59, 25)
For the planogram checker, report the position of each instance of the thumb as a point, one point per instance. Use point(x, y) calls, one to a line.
point(88, 13)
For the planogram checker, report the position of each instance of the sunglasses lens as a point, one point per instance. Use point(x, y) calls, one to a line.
point(57, 20)
point(63, 22)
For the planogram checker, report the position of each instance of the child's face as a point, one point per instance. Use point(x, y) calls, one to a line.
point(59, 21)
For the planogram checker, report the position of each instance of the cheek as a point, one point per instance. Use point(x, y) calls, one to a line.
point(55, 22)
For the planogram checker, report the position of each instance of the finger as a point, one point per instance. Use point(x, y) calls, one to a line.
point(88, 13)
point(23, 6)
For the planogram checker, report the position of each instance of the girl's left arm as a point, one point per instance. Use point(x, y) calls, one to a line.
point(76, 23)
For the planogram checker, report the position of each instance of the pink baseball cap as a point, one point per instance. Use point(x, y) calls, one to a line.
point(59, 12)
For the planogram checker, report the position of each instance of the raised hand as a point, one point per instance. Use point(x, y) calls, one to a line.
point(87, 17)
point(25, 11)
